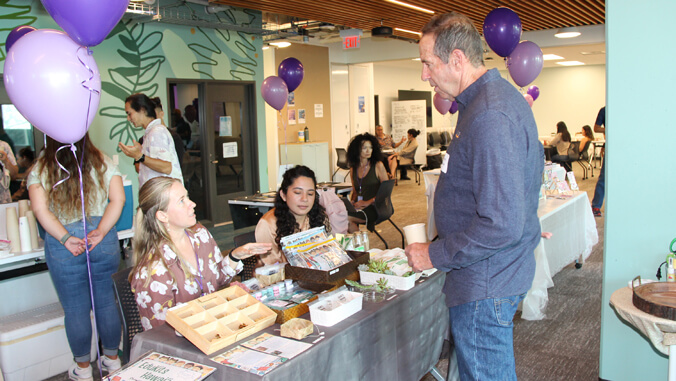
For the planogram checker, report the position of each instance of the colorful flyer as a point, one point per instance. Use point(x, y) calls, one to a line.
point(155, 366)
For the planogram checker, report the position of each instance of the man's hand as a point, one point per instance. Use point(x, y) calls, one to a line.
point(133, 151)
point(418, 255)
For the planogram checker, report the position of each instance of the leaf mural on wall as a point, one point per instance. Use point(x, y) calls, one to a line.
point(136, 76)
point(12, 16)
point(242, 60)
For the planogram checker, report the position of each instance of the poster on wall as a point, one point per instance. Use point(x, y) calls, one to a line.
point(229, 150)
point(225, 126)
point(292, 116)
point(407, 115)
point(319, 110)
point(291, 100)
point(362, 104)
point(301, 115)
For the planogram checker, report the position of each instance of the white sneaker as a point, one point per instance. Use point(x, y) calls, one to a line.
point(110, 365)
point(80, 374)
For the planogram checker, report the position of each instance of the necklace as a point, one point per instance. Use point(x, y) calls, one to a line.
point(365, 171)
point(197, 266)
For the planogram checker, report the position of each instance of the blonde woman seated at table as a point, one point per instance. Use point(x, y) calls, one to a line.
point(297, 209)
point(406, 156)
point(177, 259)
point(367, 172)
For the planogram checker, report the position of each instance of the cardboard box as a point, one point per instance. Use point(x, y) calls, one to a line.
point(336, 276)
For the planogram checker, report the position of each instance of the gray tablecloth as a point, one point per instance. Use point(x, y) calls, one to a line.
point(399, 339)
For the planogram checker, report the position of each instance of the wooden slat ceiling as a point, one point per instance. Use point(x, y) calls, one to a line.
point(367, 14)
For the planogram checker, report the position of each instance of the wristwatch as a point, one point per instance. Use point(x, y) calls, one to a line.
point(141, 159)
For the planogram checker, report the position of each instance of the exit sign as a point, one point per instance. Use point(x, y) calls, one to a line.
point(351, 42)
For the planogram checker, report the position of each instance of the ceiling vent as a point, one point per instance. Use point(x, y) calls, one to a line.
point(381, 31)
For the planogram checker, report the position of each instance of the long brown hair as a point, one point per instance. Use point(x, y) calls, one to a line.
point(65, 198)
point(150, 234)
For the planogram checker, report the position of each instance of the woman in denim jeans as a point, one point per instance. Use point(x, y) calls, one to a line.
point(59, 210)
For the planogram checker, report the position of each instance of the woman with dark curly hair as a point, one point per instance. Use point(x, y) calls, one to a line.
point(296, 209)
point(367, 172)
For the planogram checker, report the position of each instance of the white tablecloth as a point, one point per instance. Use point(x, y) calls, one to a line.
point(574, 234)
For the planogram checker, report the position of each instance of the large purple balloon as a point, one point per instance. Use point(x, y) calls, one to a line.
point(502, 30)
point(16, 34)
point(454, 107)
point(291, 71)
point(441, 104)
point(525, 63)
point(534, 92)
point(275, 92)
point(49, 85)
point(87, 22)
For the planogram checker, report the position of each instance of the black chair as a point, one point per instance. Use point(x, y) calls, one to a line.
point(445, 140)
point(126, 302)
point(385, 210)
point(248, 263)
point(585, 161)
point(341, 162)
point(433, 139)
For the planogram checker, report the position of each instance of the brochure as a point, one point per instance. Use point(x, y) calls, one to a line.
point(158, 366)
point(277, 346)
point(249, 360)
point(313, 249)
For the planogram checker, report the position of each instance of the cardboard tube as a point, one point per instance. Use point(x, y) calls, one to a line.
point(12, 222)
point(23, 208)
point(25, 234)
point(33, 226)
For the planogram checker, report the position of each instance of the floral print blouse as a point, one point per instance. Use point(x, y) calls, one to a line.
point(164, 292)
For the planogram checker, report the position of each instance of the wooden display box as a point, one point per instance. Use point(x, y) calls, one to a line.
point(334, 277)
point(217, 320)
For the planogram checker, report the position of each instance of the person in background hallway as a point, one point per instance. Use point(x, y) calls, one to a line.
point(5, 137)
point(407, 154)
point(600, 191)
point(157, 156)
point(367, 172)
point(485, 206)
point(562, 143)
point(25, 163)
point(386, 143)
point(59, 211)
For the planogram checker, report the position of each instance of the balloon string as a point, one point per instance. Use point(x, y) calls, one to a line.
point(73, 148)
point(282, 121)
point(83, 83)
point(56, 158)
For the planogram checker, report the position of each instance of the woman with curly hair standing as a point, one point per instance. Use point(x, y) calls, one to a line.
point(296, 209)
point(59, 210)
point(367, 172)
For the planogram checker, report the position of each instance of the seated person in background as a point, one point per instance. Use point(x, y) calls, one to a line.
point(25, 162)
point(177, 259)
point(8, 171)
point(296, 209)
point(562, 142)
point(367, 172)
point(587, 136)
point(385, 142)
point(407, 154)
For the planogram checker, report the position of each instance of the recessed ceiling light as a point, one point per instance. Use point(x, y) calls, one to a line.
point(339, 72)
point(408, 31)
point(549, 57)
point(416, 59)
point(592, 53)
point(417, 8)
point(570, 63)
point(281, 44)
point(266, 47)
point(569, 32)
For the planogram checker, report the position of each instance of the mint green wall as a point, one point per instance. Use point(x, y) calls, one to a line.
point(640, 206)
point(140, 57)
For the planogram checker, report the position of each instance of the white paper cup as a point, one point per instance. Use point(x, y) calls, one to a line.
point(415, 233)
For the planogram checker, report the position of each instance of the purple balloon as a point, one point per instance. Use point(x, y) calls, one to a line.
point(87, 22)
point(454, 107)
point(49, 85)
point(275, 92)
point(534, 92)
point(502, 30)
point(441, 104)
point(16, 34)
point(525, 63)
point(291, 71)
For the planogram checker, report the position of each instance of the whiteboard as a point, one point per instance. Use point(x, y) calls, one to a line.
point(406, 115)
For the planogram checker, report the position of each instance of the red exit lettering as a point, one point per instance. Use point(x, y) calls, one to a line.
point(351, 42)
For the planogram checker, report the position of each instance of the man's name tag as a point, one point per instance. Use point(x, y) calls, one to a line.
point(360, 198)
point(444, 164)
